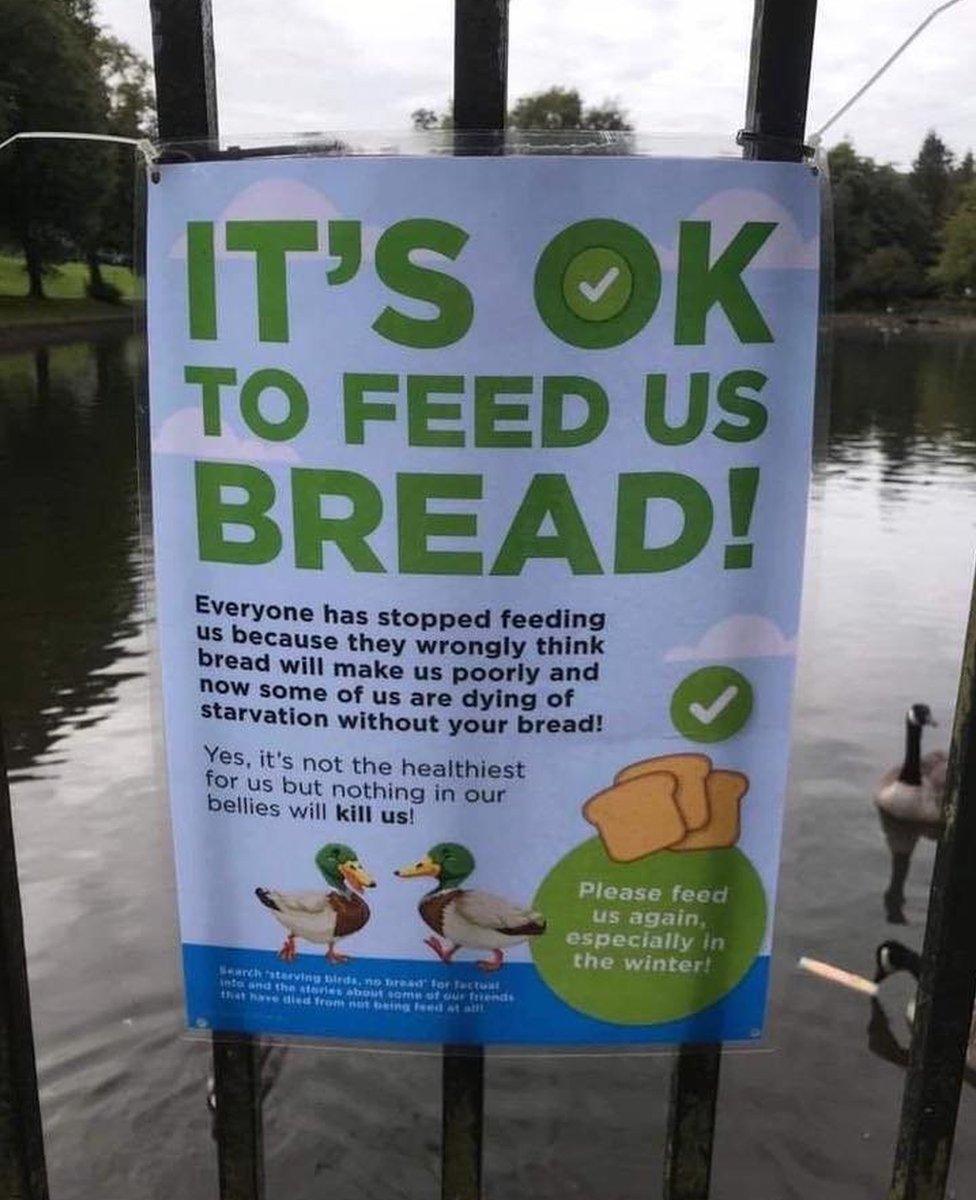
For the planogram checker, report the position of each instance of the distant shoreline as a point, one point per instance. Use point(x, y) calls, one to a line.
point(73, 320)
point(25, 325)
point(918, 320)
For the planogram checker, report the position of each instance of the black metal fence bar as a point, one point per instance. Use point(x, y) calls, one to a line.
point(186, 101)
point(23, 1175)
point(480, 101)
point(944, 1007)
point(776, 113)
point(237, 1086)
point(691, 1123)
point(480, 64)
point(186, 84)
point(462, 1122)
point(779, 78)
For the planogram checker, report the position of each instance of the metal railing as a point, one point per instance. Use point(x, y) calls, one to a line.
point(774, 129)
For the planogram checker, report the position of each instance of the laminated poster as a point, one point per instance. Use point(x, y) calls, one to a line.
point(479, 501)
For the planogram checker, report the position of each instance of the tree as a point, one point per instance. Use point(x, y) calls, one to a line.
point(427, 118)
point(562, 108)
point(888, 273)
point(962, 176)
point(556, 108)
point(875, 207)
point(932, 176)
point(49, 80)
point(125, 76)
point(956, 268)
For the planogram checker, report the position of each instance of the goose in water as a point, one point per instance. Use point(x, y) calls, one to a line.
point(909, 801)
point(892, 957)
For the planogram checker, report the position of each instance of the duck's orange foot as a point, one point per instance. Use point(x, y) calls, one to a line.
point(288, 953)
point(333, 956)
point(444, 953)
point(493, 963)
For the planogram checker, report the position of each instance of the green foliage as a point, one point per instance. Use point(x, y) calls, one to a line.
point(125, 77)
point(63, 199)
point(562, 108)
point(427, 118)
point(556, 108)
point(874, 209)
point(956, 269)
point(888, 225)
point(887, 273)
point(932, 177)
point(50, 80)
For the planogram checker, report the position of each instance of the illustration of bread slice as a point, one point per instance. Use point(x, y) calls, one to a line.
point(691, 771)
point(725, 791)
point(637, 817)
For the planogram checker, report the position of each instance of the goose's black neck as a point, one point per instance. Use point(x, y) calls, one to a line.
point(911, 768)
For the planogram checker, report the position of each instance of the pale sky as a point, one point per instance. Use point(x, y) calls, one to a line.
point(675, 66)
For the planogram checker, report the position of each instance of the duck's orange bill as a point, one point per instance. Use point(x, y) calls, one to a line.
point(356, 876)
point(426, 866)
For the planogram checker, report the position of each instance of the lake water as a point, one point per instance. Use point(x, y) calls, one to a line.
point(811, 1115)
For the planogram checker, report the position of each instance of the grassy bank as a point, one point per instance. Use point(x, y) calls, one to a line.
point(65, 301)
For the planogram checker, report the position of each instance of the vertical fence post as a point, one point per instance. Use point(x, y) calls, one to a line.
point(480, 101)
point(23, 1175)
point(480, 64)
point(186, 102)
point(183, 55)
point(779, 78)
point(237, 1088)
point(462, 1122)
point(944, 1007)
point(776, 113)
point(691, 1123)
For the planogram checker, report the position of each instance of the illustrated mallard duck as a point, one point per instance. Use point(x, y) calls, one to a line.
point(909, 799)
point(323, 917)
point(468, 917)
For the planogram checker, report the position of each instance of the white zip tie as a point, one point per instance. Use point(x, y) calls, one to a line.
point(144, 146)
point(816, 137)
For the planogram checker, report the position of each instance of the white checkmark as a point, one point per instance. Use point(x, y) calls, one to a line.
point(707, 715)
point(594, 291)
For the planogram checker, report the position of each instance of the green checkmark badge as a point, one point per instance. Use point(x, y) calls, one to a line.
point(711, 704)
point(597, 284)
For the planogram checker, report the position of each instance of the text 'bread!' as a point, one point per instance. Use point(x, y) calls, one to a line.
point(637, 817)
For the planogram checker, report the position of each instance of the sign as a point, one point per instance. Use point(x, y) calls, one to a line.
point(479, 500)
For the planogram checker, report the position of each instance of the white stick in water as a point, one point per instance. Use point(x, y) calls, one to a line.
point(857, 983)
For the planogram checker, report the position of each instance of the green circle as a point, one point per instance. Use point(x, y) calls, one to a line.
point(663, 982)
point(712, 704)
point(610, 320)
point(597, 284)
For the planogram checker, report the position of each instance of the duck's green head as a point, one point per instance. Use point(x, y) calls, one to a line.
point(447, 862)
point(341, 867)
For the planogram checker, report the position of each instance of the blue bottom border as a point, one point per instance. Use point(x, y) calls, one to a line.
point(402, 1000)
